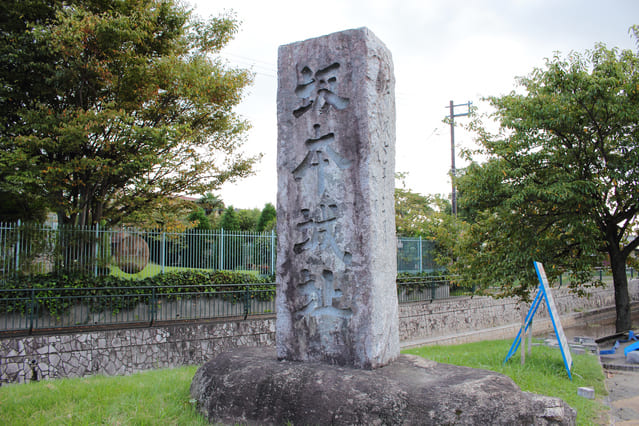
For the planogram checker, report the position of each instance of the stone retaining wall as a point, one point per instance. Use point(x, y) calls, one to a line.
point(465, 319)
point(125, 351)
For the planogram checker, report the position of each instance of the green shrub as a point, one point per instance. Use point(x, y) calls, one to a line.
point(58, 292)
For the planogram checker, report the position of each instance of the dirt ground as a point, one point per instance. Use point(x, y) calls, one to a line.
point(623, 396)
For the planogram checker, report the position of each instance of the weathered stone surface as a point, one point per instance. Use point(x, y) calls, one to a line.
point(586, 392)
point(131, 252)
point(250, 386)
point(336, 268)
point(128, 350)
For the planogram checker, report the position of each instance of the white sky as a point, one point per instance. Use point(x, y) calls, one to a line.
point(442, 50)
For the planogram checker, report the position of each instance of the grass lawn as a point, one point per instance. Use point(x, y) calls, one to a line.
point(162, 396)
point(543, 373)
point(159, 397)
point(152, 269)
point(149, 270)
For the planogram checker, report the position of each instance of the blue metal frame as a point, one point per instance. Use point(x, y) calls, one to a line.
point(523, 329)
point(543, 292)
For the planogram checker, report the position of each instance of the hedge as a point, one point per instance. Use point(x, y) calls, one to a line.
point(59, 291)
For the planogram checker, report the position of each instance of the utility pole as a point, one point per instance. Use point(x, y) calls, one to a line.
point(452, 148)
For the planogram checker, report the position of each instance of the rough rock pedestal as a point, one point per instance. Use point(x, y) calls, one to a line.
point(252, 387)
point(336, 256)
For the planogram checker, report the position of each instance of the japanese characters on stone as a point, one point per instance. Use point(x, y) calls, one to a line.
point(323, 258)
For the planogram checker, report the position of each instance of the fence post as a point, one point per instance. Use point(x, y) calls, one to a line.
point(17, 266)
point(97, 248)
point(221, 255)
point(247, 300)
point(31, 310)
point(272, 252)
point(421, 258)
point(152, 306)
point(163, 251)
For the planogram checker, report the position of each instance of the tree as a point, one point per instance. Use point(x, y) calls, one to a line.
point(561, 181)
point(108, 105)
point(267, 219)
point(211, 203)
point(247, 219)
point(229, 220)
point(412, 211)
point(168, 214)
point(199, 218)
point(14, 207)
point(18, 83)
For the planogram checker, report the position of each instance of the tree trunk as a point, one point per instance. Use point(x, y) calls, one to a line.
point(62, 217)
point(98, 210)
point(622, 298)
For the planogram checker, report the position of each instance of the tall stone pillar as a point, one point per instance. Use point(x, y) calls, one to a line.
point(336, 253)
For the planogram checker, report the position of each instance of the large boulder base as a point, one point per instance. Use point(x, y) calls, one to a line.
point(250, 386)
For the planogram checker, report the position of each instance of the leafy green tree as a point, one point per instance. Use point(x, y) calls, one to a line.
point(14, 207)
point(229, 220)
point(412, 210)
point(109, 105)
point(212, 204)
point(267, 219)
point(561, 181)
point(200, 219)
point(18, 82)
point(412, 213)
point(168, 214)
point(247, 219)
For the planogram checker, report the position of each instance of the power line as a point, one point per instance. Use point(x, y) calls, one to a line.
point(271, 65)
point(435, 132)
point(244, 61)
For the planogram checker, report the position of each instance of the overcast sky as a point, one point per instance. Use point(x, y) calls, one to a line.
point(442, 50)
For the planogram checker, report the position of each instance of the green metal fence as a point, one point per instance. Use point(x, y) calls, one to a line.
point(31, 309)
point(51, 308)
point(416, 255)
point(48, 309)
point(27, 249)
point(427, 288)
point(42, 309)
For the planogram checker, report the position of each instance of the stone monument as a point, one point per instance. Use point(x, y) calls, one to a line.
point(337, 348)
point(130, 252)
point(336, 269)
